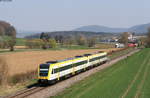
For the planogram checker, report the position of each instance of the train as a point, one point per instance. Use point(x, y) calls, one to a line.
point(53, 71)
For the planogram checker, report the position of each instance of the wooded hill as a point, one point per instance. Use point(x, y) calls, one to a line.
point(72, 33)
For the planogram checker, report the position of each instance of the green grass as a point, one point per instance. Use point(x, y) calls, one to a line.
point(20, 41)
point(72, 47)
point(126, 79)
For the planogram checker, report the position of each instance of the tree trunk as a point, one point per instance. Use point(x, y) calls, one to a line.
point(12, 48)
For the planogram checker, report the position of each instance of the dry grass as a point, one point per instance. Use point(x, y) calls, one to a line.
point(21, 47)
point(22, 77)
point(3, 71)
point(22, 62)
point(105, 46)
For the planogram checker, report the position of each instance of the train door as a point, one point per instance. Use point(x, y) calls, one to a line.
point(86, 65)
point(58, 72)
point(73, 68)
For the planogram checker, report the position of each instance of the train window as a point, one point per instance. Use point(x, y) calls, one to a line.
point(65, 67)
point(80, 63)
point(62, 68)
point(97, 58)
point(44, 66)
point(56, 70)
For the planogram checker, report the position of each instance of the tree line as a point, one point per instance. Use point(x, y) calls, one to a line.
point(52, 39)
point(46, 41)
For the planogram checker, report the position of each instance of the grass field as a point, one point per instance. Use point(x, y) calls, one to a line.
point(128, 78)
point(20, 41)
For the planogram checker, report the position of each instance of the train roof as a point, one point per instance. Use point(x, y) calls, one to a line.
point(51, 62)
point(78, 56)
point(87, 54)
point(65, 59)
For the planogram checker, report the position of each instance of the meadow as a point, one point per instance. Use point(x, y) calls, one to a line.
point(129, 78)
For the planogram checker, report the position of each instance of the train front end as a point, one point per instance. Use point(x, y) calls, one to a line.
point(43, 73)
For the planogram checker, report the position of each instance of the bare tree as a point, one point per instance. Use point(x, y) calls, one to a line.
point(81, 40)
point(148, 38)
point(91, 42)
point(11, 44)
point(124, 38)
point(45, 39)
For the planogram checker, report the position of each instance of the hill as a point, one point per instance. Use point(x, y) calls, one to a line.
point(140, 28)
point(72, 33)
point(96, 28)
point(92, 29)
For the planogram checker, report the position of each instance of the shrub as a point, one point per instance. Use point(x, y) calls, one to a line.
point(34, 44)
point(38, 43)
point(52, 43)
point(22, 77)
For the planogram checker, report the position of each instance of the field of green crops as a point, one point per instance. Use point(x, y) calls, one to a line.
point(129, 78)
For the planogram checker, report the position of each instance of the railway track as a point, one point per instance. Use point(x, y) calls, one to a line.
point(37, 88)
point(26, 92)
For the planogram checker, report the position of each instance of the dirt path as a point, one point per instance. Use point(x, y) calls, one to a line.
point(134, 79)
point(59, 87)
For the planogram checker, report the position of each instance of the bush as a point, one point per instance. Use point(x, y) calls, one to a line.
point(19, 78)
point(52, 43)
point(38, 43)
point(34, 44)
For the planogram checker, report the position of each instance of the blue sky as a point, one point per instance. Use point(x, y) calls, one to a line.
point(54, 15)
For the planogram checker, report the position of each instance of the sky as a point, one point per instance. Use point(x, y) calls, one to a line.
point(56, 15)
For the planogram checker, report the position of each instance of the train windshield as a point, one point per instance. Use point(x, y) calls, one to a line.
point(44, 68)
